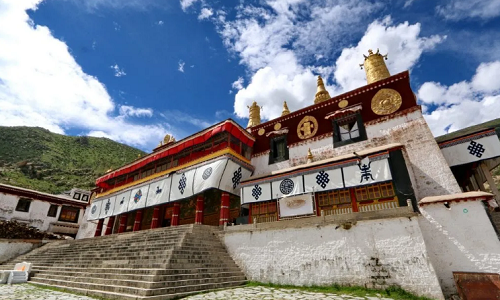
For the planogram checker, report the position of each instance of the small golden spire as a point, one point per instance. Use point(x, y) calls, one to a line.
point(310, 156)
point(168, 139)
point(321, 94)
point(285, 111)
point(253, 115)
point(375, 67)
point(160, 144)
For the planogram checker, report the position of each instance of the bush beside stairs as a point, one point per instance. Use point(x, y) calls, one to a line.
point(163, 263)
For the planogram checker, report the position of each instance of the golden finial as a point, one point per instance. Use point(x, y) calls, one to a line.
point(310, 156)
point(375, 67)
point(139, 155)
point(168, 139)
point(253, 115)
point(285, 111)
point(321, 94)
point(160, 144)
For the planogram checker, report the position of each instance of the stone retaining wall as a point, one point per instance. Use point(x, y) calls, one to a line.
point(10, 248)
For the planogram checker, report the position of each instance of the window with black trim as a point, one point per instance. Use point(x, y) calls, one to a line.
point(23, 205)
point(85, 198)
point(52, 210)
point(69, 214)
point(279, 149)
point(76, 196)
point(348, 129)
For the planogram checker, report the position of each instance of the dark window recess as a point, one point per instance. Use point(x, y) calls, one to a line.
point(85, 198)
point(52, 210)
point(76, 196)
point(348, 129)
point(69, 214)
point(279, 149)
point(23, 205)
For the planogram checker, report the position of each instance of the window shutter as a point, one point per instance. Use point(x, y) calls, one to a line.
point(271, 152)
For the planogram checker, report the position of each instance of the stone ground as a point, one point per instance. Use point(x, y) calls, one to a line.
point(30, 292)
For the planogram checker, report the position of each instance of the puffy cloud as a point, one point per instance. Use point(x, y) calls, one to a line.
point(462, 104)
point(126, 110)
point(205, 13)
point(238, 84)
point(463, 9)
point(180, 67)
point(42, 85)
point(185, 4)
point(118, 72)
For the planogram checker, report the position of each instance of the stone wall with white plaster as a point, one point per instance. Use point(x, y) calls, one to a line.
point(373, 253)
point(10, 248)
point(87, 228)
point(459, 239)
point(429, 171)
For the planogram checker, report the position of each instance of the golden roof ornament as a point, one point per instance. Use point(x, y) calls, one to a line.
point(285, 111)
point(321, 94)
point(168, 139)
point(310, 156)
point(375, 67)
point(253, 115)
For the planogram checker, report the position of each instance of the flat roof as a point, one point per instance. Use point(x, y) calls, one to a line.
point(469, 130)
point(456, 197)
point(28, 193)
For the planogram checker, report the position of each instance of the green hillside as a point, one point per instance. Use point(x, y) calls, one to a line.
point(36, 158)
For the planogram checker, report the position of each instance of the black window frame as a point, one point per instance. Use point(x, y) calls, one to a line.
point(70, 208)
point(52, 212)
point(77, 197)
point(273, 142)
point(337, 142)
point(86, 198)
point(23, 204)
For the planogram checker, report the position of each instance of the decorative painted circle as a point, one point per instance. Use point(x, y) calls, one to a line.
point(286, 186)
point(94, 209)
point(137, 196)
point(207, 173)
point(386, 101)
point(466, 210)
point(277, 126)
point(343, 103)
point(261, 131)
point(308, 127)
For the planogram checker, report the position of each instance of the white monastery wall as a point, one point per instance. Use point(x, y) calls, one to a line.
point(376, 253)
point(459, 239)
point(429, 171)
point(36, 216)
point(87, 228)
point(10, 248)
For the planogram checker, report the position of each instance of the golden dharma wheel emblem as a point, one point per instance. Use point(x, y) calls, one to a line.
point(261, 131)
point(308, 127)
point(343, 103)
point(386, 101)
point(277, 126)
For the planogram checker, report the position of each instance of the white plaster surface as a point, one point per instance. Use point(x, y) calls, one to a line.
point(377, 253)
point(87, 228)
point(459, 239)
point(12, 248)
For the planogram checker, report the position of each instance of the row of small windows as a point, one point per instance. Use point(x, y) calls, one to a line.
point(363, 193)
point(346, 130)
point(68, 213)
point(79, 196)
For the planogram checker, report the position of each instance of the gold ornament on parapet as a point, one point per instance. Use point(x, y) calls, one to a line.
point(343, 103)
point(386, 101)
point(261, 131)
point(308, 127)
point(277, 126)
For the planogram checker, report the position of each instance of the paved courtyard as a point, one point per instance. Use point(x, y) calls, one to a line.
point(29, 292)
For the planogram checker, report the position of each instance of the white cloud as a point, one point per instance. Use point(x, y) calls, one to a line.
point(180, 68)
point(126, 110)
point(464, 9)
point(465, 103)
point(118, 72)
point(205, 13)
point(117, 26)
point(160, 23)
point(238, 84)
point(42, 85)
point(185, 4)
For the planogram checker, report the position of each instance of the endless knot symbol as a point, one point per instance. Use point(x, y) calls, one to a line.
point(256, 192)
point(94, 209)
point(207, 173)
point(322, 179)
point(158, 190)
point(286, 186)
point(476, 149)
point(137, 196)
point(107, 207)
point(236, 177)
point(366, 172)
point(182, 183)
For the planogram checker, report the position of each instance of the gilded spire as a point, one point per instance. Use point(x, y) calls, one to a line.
point(375, 67)
point(321, 94)
point(310, 156)
point(285, 111)
point(253, 115)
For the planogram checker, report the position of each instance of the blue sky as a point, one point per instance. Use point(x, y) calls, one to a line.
point(134, 70)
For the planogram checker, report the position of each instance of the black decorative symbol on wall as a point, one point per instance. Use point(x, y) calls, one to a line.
point(366, 172)
point(94, 209)
point(476, 149)
point(182, 183)
point(107, 207)
point(207, 173)
point(122, 201)
point(322, 179)
point(236, 177)
point(256, 192)
point(286, 186)
point(158, 190)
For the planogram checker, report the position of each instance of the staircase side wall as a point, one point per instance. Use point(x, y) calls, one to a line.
point(10, 248)
point(374, 253)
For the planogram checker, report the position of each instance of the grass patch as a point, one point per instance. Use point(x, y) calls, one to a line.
point(55, 289)
point(393, 292)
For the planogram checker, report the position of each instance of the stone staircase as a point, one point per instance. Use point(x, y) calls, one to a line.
point(164, 263)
